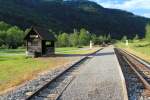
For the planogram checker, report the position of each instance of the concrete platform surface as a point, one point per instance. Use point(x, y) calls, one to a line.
point(98, 79)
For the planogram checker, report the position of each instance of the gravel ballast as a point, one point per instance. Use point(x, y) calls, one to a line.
point(135, 88)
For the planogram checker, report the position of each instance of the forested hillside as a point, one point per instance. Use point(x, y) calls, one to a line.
point(65, 16)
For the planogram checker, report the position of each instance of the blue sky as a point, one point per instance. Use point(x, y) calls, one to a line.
point(138, 7)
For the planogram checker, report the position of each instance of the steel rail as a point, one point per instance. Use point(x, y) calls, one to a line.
point(146, 63)
point(146, 84)
point(134, 67)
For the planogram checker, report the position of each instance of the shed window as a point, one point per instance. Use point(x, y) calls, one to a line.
point(33, 36)
point(48, 43)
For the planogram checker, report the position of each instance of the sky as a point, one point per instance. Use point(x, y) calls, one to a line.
point(138, 7)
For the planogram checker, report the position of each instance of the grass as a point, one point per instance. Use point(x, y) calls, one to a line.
point(22, 51)
point(66, 49)
point(16, 69)
point(12, 51)
point(71, 50)
point(140, 48)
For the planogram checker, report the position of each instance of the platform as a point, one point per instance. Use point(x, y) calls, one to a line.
point(98, 79)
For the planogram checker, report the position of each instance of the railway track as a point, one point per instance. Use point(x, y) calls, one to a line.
point(53, 89)
point(138, 67)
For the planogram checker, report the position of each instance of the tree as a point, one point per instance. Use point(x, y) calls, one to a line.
point(147, 35)
point(101, 39)
point(94, 38)
point(84, 37)
point(4, 26)
point(63, 40)
point(58, 43)
point(14, 37)
point(3, 35)
point(74, 39)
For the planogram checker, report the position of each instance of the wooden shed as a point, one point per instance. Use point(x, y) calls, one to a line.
point(40, 42)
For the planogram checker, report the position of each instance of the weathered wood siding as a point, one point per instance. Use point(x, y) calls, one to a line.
point(35, 48)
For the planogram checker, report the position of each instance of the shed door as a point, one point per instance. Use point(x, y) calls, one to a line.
point(43, 47)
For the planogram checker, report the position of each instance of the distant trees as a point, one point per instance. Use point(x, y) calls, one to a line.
point(80, 38)
point(14, 37)
point(75, 39)
point(11, 37)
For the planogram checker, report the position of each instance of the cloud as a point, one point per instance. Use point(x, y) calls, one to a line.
point(129, 5)
point(146, 15)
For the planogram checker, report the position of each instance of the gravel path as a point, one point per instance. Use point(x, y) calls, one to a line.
point(98, 79)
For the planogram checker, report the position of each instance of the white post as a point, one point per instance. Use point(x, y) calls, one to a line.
point(91, 45)
point(127, 43)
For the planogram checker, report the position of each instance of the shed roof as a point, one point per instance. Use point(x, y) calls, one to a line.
point(43, 33)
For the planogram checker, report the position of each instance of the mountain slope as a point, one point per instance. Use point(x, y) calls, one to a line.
point(67, 15)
